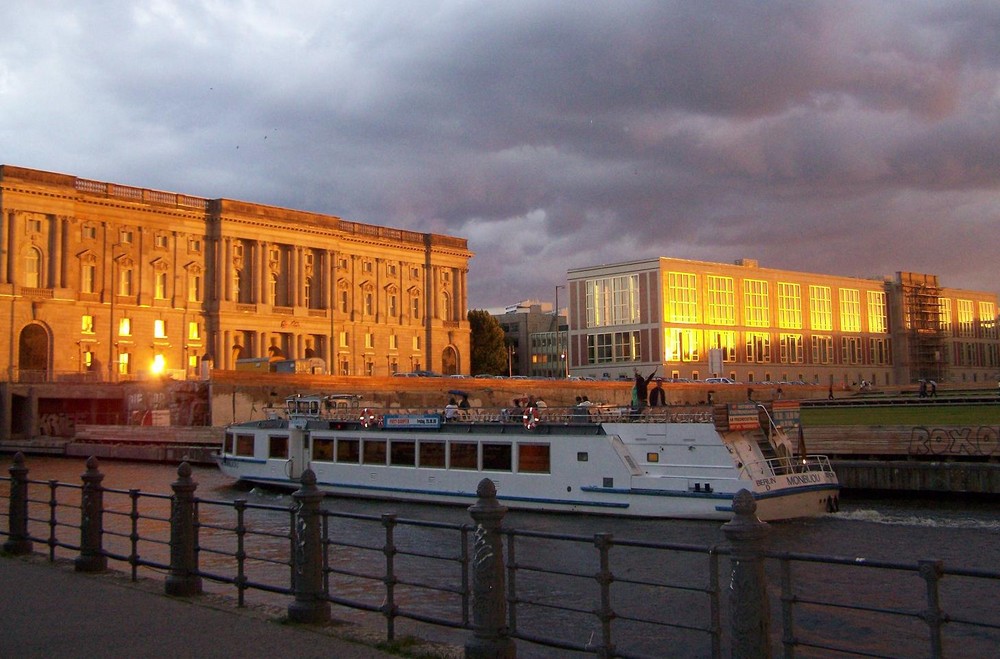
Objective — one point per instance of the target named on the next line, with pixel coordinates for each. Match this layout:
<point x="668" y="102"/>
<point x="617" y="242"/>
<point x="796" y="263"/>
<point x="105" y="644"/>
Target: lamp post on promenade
<point x="561" y="349"/>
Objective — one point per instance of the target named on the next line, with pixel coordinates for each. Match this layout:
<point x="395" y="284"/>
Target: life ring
<point x="368" y="418"/>
<point x="531" y="418"/>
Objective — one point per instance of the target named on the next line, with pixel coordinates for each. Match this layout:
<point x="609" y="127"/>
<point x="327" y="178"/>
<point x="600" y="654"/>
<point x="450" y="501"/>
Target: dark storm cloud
<point x="846" y="137"/>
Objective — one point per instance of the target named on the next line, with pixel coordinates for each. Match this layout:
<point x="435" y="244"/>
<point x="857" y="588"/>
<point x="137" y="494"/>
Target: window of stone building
<point x="393" y="311"/>
<point x="393" y="342"/>
<point x="125" y="281"/>
<point x="343" y="301"/>
<point x="34" y="225"/>
<point x="124" y="363"/>
<point x="194" y="245"/>
<point x="125" y="327"/>
<point x="88" y="359"/>
<point x="344" y="338"/>
<point x="160" y="241"/>
<point x="445" y="306"/>
<point x="160" y="289"/>
<point x="89" y="232"/>
<point x="88" y="277"/>
<point x="87" y="324"/>
<point x="160" y="328"/>
<point x="273" y="292"/>
<point x="367" y="267"/>
<point x="307" y="289"/>
<point x="33" y="268"/>
<point x="416" y="343"/>
<point x="415" y="310"/>
<point x="194" y="288"/>
<point x="345" y="366"/>
<point x="415" y="273"/>
<point x="369" y="304"/>
<point x="126" y="236"/>
<point x="391" y="269"/>
<point x="369" y="340"/>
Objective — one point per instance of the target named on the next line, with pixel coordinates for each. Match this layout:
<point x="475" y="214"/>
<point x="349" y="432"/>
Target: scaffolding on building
<point x="922" y="315"/>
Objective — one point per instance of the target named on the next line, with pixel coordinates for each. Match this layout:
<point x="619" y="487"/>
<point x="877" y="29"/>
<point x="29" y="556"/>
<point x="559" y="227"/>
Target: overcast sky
<point x="851" y="138"/>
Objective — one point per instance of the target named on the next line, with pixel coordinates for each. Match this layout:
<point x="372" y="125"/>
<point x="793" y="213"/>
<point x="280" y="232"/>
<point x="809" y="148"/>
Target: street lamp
<point x="564" y="351"/>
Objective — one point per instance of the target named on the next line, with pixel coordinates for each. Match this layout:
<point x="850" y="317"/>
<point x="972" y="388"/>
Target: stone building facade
<point x="696" y="319"/>
<point x="106" y="282"/>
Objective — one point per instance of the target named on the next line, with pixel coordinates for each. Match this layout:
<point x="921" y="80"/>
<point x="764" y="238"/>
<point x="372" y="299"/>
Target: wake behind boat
<point x="603" y="460"/>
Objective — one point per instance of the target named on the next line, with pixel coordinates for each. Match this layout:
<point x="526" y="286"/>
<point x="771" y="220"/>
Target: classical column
<point x="5" y="234"/>
<point x="11" y="247"/>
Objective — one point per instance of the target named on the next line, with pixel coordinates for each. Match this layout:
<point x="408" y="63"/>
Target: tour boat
<point x="657" y="462"/>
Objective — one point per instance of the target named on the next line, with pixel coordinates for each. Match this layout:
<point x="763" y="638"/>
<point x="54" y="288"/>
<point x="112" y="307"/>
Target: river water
<point x="962" y="532"/>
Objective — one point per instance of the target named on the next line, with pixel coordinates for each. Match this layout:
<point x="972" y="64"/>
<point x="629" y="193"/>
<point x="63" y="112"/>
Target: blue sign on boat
<point x="403" y="421"/>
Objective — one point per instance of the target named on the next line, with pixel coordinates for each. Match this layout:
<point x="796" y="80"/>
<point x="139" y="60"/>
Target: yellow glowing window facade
<point x="125" y="327"/>
<point x="789" y="305"/>
<point x="682" y="345"/>
<point x="723" y="340"/>
<point x="756" y="303"/>
<point x="988" y="320"/>
<point x="944" y="315"/>
<point x="820" y="308"/>
<point x="721" y="305"/>
<point x="682" y="297"/>
<point x="966" y="319"/>
<point x="822" y="349"/>
<point x="194" y="330"/>
<point x="87" y="324"/>
<point x="613" y="301"/>
<point x="850" y="310"/>
<point x="792" y="351"/>
<point x="877" y="322"/>
<point x="160" y="329"/>
<point x="758" y="346"/>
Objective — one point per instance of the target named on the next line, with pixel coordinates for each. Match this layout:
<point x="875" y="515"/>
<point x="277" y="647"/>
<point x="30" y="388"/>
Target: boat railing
<point x="533" y="416"/>
<point x="787" y="466"/>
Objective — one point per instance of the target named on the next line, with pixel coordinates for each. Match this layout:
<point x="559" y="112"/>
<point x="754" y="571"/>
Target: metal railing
<point x="490" y="585"/>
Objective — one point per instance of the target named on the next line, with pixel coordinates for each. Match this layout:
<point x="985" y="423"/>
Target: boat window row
<point x="487" y="456"/>
<point x="428" y="454"/>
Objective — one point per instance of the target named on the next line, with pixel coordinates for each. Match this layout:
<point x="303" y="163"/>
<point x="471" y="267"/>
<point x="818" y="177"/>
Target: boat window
<point x="582" y="456"/>
<point x="323" y="450"/>
<point x="227" y="446"/>
<point x="533" y="458"/>
<point x="349" y="450"/>
<point x="374" y="452"/>
<point x="497" y="457"/>
<point x="277" y="447"/>
<point x="244" y="445"/>
<point x="403" y="454"/>
<point x="463" y="455"/>
<point x="432" y="454"/>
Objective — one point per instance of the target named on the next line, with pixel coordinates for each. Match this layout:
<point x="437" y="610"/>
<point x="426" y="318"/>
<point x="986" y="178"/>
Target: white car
<point x="719" y="381"/>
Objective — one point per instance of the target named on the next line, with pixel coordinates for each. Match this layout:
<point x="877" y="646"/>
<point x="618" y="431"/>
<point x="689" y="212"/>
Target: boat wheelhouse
<point x="602" y="459"/>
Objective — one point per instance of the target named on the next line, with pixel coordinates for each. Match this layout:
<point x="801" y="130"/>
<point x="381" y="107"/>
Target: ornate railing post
<point x="489" y="605"/>
<point x="91" y="558"/>
<point x="310" y="605"/>
<point x="183" y="579"/>
<point x="18" y="541"/>
<point x="750" y="615"/>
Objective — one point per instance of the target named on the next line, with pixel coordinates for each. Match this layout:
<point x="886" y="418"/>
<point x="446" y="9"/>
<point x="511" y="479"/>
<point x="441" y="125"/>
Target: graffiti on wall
<point x="979" y="441"/>
<point x="56" y="425"/>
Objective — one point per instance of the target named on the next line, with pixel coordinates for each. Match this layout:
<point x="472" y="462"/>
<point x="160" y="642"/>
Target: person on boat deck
<point x="641" y="384"/>
<point x="450" y="410"/>
<point x="464" y="403"/>
<point x="657" y="397"/>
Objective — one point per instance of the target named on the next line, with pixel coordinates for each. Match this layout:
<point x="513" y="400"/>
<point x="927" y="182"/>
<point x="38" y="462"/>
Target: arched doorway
<point x="449" y="361"/>
<point x="33" y="353"/>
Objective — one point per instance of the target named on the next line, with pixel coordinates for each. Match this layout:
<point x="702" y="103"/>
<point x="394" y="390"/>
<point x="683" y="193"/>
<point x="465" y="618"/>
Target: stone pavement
<point x="49" y="610"/>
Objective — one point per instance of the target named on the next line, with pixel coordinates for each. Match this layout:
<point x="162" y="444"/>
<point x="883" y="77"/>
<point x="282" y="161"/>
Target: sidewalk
<point x="48" y="610"/>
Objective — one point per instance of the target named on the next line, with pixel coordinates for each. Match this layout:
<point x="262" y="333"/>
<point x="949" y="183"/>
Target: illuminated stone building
<point x="695" y="319"/>
<point x="109" y="282"/>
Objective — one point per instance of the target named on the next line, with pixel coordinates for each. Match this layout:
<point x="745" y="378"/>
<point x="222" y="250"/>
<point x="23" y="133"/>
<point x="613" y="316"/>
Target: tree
<point x="489" y="354"/>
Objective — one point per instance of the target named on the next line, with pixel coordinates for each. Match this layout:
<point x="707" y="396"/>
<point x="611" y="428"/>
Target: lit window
<point x="124" y="363"/>
<point x="944" y="315"/>
<point x="416" y="306"/>
<point x="160" y="292"/>
<point x="724" y="341"/>
<point x="988" y="319"/>
<point x="966" y="319"/>
<point x="392" y="305"/>
<point x="789" y="306"/>
<point x="125" y="236"/>
<point x="194" y="330"/>
<point x="160" y="329"/>
<point x="369" y="340"/>
<point x="33" y="268"/>
<point x="613" y="301"/>
<point x="822" y="349"/>
<point x="416" y="343"/>
<point x="682" y="345"/>
<point x="125" y="327"/>
<point x="820" y="308"/>
<point x="88" y="277"/>
<point x="756" y="303"/>
<point x="194" y="288"/>
<point x="682" y="297"/>
<point x="721" y="300"/>
<point x="343" y="340"/>
<point x="758" y="347"/>
<point x="125" y="281"/>
<point x="850" y="310"/>
<point x="877" y="322"/>
<point x="369" y="304"/>
<point x="792" y="349"/>
<point x="87" y="324"/>
<point x="393" y="342"/>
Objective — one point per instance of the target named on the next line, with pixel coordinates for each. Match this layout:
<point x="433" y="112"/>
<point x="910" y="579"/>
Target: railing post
<point x="748" y="602"/>
<point x="310" y="605"/>
<point x="491" y="637"/>
<point x="91" y="558"/>
<point x="389" y="608"/>
<point x="183" y="579"/>
<point x="606" y="614"/>
<point x="18" y="541"/>
<point x="931" y="572"/>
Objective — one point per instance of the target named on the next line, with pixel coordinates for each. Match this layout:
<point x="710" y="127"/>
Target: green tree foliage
<point x="489" y="355"/>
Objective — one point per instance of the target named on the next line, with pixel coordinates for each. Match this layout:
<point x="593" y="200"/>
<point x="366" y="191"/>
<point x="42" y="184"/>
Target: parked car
<point x="719" y="381"/>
